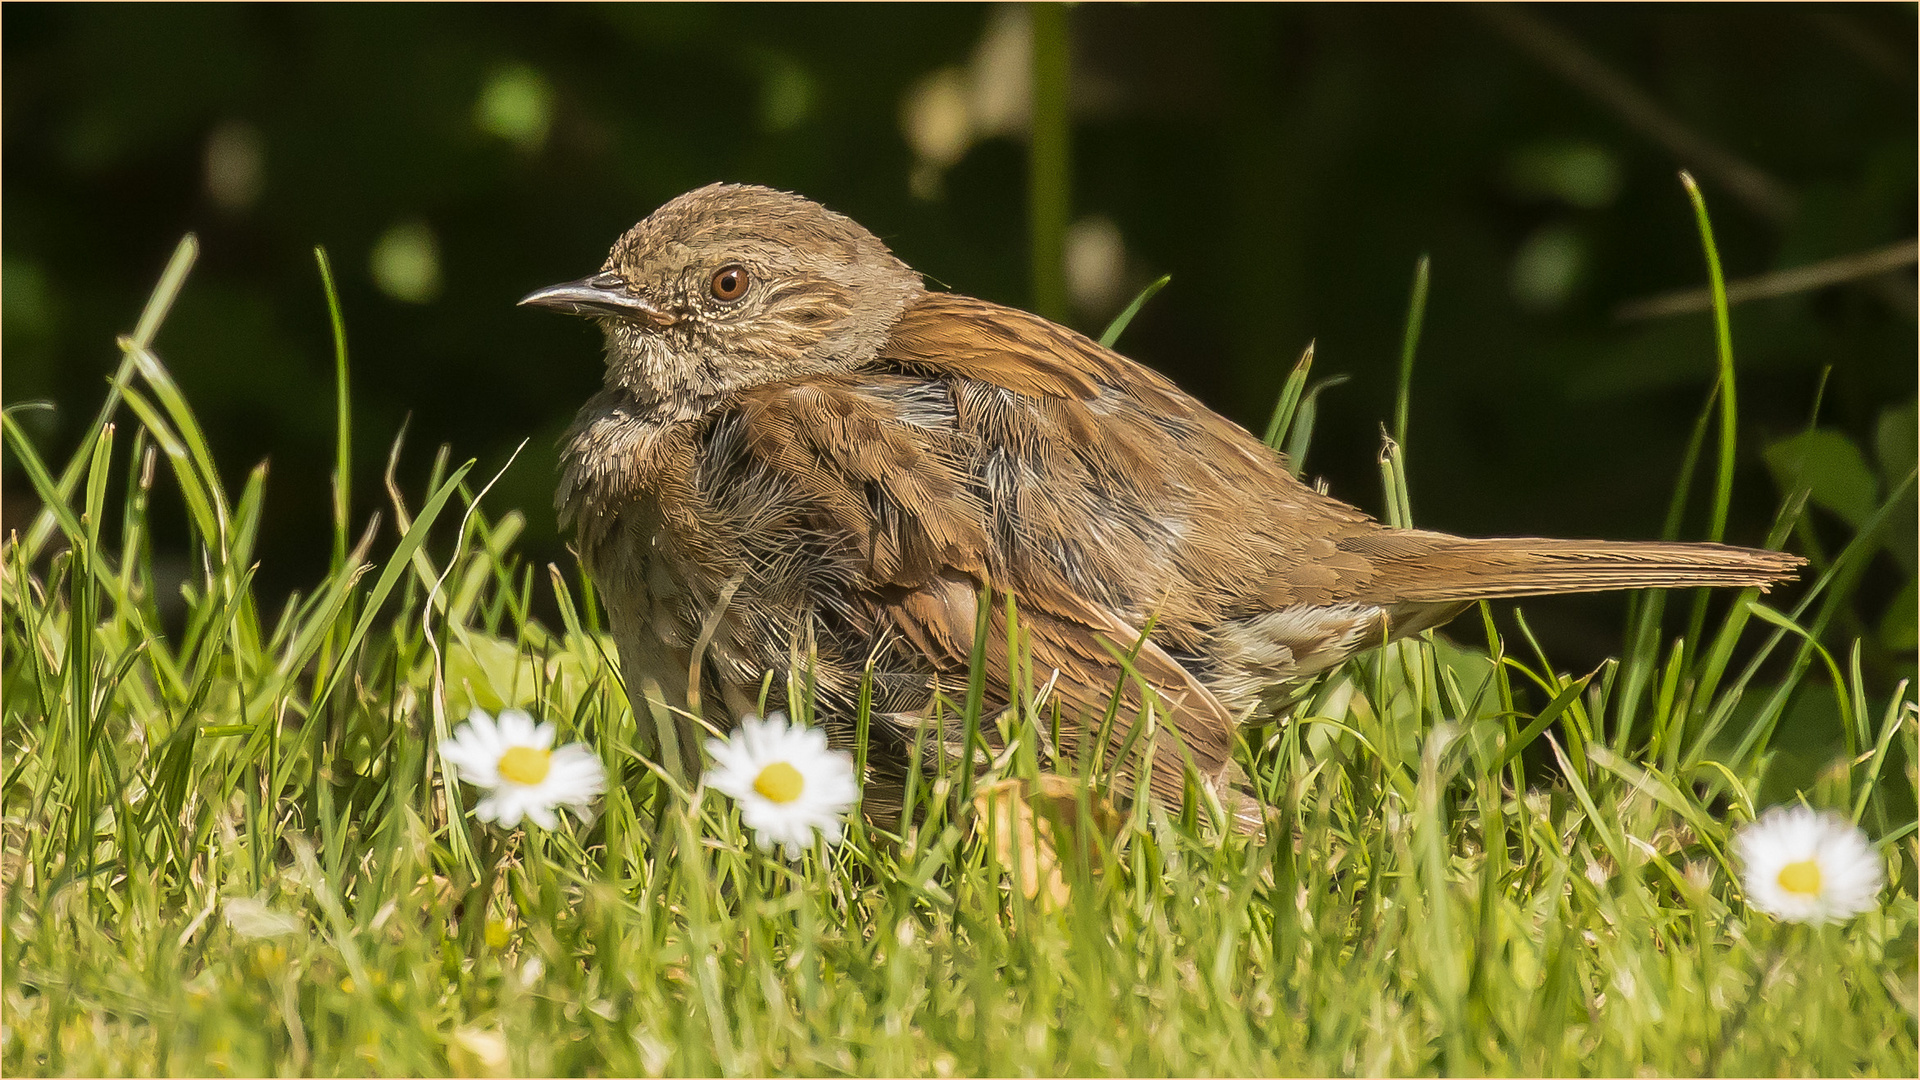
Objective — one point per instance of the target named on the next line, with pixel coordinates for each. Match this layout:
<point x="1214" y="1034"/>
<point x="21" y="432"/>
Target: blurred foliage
<point x="1285" y="165"/>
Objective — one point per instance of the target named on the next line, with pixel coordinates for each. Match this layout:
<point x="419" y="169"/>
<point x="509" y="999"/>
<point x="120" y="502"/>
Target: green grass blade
<point x="159" y="303"/>
<point x="1723" y="352"/>
<point x="1831" y="590"/>
<point x="1049" y="161"/>
<point x="1729" y="410"/>
<point x="1121" y="321"/>
<point x="1301" y="435"/>
<point x="201" y="503"/>
<point x="397" y="564"/>
<point x="186" y="428"/>
<point x="343" y="414"/>
<point x="1283" y="409"/>
<point x="1393" y="484"/>
<point x="1542" y="720"/>
<point x="1409" y="342"/>
<point x="53" y="501"/>
<point x="1645" y="609"/>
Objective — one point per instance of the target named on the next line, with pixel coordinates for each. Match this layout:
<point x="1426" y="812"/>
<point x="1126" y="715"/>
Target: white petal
<point x="576" y="752"/>
<point x="494" y="808"/>
<point x="1852" y="872"/>
<point x="473" y="767"/>
<point x="516" y="728"/>
<point x="482" y="739"/>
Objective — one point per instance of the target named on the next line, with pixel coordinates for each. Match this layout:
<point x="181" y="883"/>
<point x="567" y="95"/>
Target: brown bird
<point x="801" y="457"/>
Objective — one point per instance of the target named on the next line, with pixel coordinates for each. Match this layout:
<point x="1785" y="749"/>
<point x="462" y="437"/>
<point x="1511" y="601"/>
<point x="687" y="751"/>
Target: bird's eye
<point x="729" y="283"/>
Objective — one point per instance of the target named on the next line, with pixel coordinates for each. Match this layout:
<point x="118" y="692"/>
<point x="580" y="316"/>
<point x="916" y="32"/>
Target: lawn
<point x="231" y="847"/>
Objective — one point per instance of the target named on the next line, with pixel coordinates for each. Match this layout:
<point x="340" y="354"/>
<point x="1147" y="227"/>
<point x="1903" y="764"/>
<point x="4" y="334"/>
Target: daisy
<point x="515" y="761"/>
<point x="788" y="784"/>
<point x="1804" y="866"/>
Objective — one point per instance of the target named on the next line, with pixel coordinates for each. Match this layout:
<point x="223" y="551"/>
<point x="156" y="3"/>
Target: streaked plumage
<point x="836" y="465"/>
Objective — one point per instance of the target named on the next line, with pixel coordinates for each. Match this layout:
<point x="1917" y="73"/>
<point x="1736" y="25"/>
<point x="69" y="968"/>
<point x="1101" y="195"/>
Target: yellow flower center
<point x="1802" y="877"/>
<point x="779" y="782"/>
<point x="525" y="765"/>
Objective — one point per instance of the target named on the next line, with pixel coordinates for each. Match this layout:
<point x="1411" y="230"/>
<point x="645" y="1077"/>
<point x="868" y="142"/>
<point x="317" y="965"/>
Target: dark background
<point x="1286" y="165"/>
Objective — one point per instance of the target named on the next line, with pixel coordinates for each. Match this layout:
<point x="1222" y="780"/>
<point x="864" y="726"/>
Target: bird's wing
<point x="1264" y="576"/>
<point x="1107" y="481"/>
<point x="892" y="469"/>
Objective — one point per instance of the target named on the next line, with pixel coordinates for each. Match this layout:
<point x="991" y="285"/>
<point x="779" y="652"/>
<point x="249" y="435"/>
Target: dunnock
<point x="802" y="458"/>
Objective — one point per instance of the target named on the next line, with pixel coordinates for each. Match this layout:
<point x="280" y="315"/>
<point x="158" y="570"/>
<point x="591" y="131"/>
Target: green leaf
<point x="1898" y="625"/>
<point x="1831" y="467"/>
<point x="1895" y="439"/>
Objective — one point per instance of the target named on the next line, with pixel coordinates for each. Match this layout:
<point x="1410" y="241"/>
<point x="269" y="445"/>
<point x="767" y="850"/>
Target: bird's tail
<point x="1416" y="566"/>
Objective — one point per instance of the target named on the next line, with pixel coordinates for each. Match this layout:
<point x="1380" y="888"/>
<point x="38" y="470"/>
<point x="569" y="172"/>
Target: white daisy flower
<point x="788" y="784"/>
<point x="515" y="761"/>
<point x="1804" y="866"/>
<point x="252" y="918"/>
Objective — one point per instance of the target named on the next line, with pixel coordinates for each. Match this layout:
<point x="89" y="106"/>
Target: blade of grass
<point x="1729" y="410"/>
<point x="1302" y="429"/>
<point x="1122" y="320"/>
<point x="1542" y="720"/>
<point x="1393" y="484"/>
<point x="1049" y="161"/>
<point x="1290" y="392"/>
<point x="397" y="563"/>
<point x="343" y="414"/>
<point x="1831" y="590"/>
<point x="159" y="303"/>
<point x="1416" y="318"/>
<point x="187" y="429"/>
<point x="1646" y="608"/>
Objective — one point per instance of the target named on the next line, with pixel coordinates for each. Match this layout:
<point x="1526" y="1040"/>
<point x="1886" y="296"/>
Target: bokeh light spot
<point x="1096" y="257"/>
<point x="517" y="105"/>
<point x="1547" y="267"/>
<point x="406" y="263"/>
<point x="236" y="165"/>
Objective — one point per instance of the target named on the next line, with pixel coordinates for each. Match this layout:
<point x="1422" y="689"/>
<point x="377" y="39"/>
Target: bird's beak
<point x="602" y="294"/>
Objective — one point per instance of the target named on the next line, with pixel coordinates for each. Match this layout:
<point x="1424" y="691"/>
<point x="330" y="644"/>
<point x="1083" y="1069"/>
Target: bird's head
<point x="733" y="286"/>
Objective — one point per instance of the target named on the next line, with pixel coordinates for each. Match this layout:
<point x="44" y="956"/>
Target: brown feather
<point x="834" y="473"/>
<point x="1428" y="567"/>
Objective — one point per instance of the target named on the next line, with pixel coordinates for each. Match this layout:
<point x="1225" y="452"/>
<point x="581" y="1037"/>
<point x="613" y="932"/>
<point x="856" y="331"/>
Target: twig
<point x="1752" y="186"/>
<point x="1779" y="282"/>
<point x="1882" y="58"/>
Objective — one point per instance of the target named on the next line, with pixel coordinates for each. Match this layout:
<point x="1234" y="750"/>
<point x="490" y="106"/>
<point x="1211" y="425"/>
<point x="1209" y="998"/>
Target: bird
<point x="803" y="462"/>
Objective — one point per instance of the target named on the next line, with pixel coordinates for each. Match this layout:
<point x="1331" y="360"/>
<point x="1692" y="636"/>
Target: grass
<point x="230" y="849"/>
